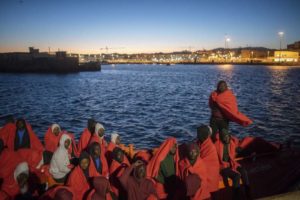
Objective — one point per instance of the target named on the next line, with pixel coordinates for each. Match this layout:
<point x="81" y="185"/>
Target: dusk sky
<point x="145" y="26"/>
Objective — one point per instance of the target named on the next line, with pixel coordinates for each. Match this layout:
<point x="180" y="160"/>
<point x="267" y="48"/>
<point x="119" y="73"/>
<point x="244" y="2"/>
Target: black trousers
<point x="235" y="176"/>
<point x="217" y="125"/>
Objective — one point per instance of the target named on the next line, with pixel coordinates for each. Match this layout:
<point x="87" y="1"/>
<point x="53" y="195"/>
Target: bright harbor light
<point x="280" y="33"/>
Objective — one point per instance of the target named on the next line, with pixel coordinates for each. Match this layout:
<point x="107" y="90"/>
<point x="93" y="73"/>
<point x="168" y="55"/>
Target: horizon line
<point x="137" y="52"/>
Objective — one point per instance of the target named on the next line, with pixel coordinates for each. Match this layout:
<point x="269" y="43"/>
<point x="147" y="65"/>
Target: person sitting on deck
<point x="138" y="187"/>
<point x="98" y="136"/>
<point x="98" y="159"/>
<point x="114" y="142"/>
<point x="102" y="190"/>
<point x="163" y="168"/>
<point x="80" y="178"/>
<point x="60" y="163"/>
<point x="223" y="105"/>
<point x="86" y="135"/>
<point x="116" y="170"/>
<point x="226" y="146"/>
<point x="24" y="141"/>
<point x="20" y="184"/>
<point x="51" y="138"/>
<point x="192" y="165"/>
<point x="21" y="136"/>
<point x="209" y="155"/>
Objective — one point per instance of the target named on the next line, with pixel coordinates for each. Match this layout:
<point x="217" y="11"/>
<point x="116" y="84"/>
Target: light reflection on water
<point x="147" y="103"/>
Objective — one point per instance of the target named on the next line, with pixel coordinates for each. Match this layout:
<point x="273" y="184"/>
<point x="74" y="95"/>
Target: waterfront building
<point x="286" y="56"/>
<point x="254" y="54"/>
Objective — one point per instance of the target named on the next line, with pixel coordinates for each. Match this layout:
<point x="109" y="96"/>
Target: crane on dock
<point x="106" y="48"/>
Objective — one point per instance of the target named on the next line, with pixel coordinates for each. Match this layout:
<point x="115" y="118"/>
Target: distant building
<point x="252" y="54"/>
<point x="295" y="46"/>
<point x="286" y="56"/>
<point x="34" y="61"/>
<point x="85" y="58"/>
<point x="32" y="50"/>
<point x="61" y="54"/>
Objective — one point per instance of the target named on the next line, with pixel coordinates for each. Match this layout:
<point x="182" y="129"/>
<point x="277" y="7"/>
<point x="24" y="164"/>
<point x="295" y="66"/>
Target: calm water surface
<point x="147" y="103"/>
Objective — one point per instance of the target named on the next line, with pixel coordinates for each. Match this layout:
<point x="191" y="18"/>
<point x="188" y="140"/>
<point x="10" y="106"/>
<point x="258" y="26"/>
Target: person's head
<point x="21" y="124"/>
<point x="222" y="86"/>
<point x="225" y="136"/>
<point x="55" y="128"/>
<point x="84" y="160"/>
<point x="140" y="170"/>
<point x="173" y="149"/>
<point x="203" y="132"/>
<point x="1" y="145"/>
<point x="143" y="155"/>
<point x="95" y="149"/>
<point x="115" y="138"/>
<point x="101" y="185"/>
<point x="22" y="179"/>
<point x="99" y="130"/>
<point x="63" y="194"/>
<point x="193" y="151"/>
<point x="65" y="141"/>
<point x="21" y="174"/>
<point x="118" y="154"/>
<point x="91" y="125"/>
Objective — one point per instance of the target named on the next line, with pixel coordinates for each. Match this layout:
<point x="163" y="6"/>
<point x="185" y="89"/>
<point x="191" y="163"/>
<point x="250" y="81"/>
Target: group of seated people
<point x="97" y="170"/>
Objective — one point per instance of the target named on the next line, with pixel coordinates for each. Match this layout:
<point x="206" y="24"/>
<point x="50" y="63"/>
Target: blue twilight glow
<point x="145" y="26"/>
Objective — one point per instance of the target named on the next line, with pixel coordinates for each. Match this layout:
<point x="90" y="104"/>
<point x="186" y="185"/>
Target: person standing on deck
<point x="224" y="108"/>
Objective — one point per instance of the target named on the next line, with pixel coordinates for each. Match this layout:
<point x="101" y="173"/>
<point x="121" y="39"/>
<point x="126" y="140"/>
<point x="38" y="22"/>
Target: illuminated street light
<point x="281" y="33"/>
<point x="227" y="40"/>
